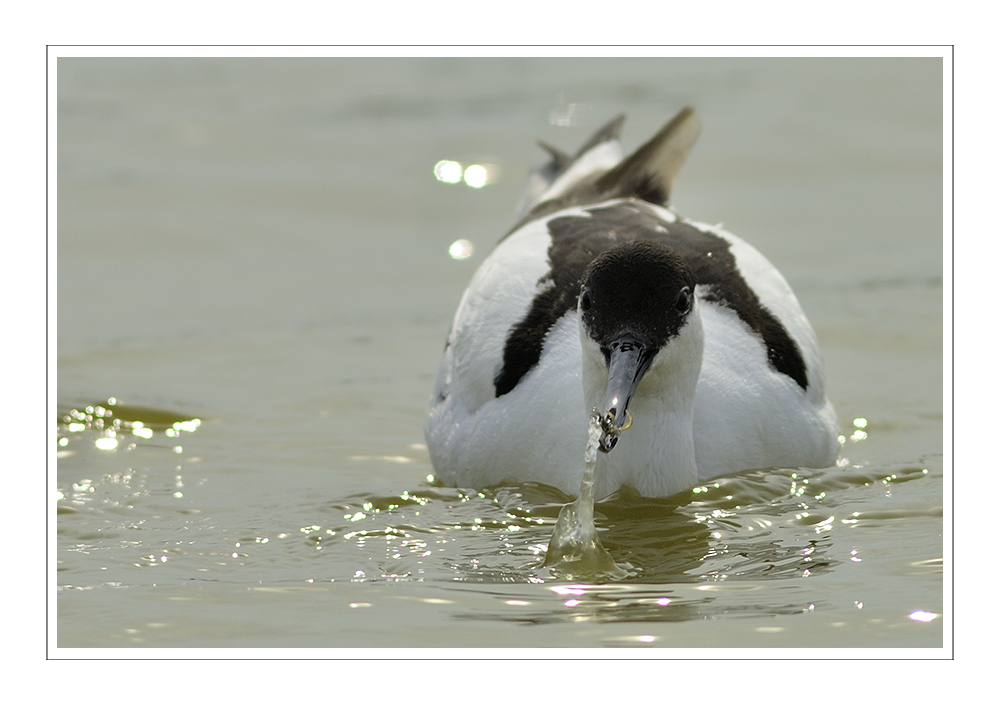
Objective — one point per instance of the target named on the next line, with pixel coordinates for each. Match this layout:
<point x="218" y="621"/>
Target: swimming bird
<point x="687" y="344"/>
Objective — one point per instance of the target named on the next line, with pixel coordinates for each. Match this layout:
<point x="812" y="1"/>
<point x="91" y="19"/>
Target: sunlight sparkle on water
<point x="107" y="421"/>
<point x="448" y="171"/>
<point x="921" y="616"/>
<point x="190" y="426"/>
<point x="460" y="249"/>
<point x="475" y="176"/>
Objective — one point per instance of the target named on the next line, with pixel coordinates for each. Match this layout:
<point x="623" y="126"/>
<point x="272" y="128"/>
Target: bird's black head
<point x="634" y="299"/>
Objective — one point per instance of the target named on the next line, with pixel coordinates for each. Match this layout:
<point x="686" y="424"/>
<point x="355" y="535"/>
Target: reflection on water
<point x="751" y="544"/>
<point x="753" y="526"/>
<point x="637" y="603"/>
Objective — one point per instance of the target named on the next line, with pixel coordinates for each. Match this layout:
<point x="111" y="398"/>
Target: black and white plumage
<point x="601" y="297"/>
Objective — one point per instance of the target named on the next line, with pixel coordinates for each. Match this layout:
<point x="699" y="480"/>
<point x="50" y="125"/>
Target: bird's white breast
<point x="494" y="419"/>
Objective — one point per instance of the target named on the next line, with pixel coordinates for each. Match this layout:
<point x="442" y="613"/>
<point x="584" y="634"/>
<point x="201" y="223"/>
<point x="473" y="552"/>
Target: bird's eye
<point x="683" y="303"/>
<point x="585" y="302"/>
